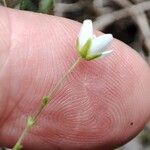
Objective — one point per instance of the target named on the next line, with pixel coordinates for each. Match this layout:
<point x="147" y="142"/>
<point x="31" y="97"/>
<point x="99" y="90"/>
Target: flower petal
<point x="106" y="53"/>
<point x="86" y="32"/>
<point x="100" y="43"/>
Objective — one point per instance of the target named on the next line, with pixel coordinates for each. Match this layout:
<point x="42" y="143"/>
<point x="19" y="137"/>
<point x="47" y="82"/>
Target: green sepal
<point x="30" y="122"/>
<point x="91" y="57"/>
<point x="84" y="50"/>
<point x="45" y="100"/>
<point x="18" y="147"/>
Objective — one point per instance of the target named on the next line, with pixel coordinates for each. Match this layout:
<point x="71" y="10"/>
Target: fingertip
<point x="120" y="83"/>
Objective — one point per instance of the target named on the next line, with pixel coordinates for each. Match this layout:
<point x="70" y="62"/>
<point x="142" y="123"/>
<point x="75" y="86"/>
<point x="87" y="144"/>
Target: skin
<point x="102" y="104"/>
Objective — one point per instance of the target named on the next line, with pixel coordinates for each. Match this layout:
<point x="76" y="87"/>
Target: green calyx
<point x="91" y="57"/>
<point x="18" y="147"/>
<point x="83" y="51"/>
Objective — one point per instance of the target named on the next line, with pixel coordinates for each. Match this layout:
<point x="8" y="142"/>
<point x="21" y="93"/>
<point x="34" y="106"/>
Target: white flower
<point x="90" y="46"/>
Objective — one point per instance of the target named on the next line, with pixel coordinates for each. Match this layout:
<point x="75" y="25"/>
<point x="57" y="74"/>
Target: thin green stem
<point x="18" y="145"/>
<point x="4" y="3"/>
<point x="49" y="96"/>
<point x="59" y="83"/>
<point x="64" y="77"/>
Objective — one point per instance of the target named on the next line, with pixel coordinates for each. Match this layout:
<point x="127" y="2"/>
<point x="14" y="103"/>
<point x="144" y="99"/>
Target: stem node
<point x="45" y="100"/>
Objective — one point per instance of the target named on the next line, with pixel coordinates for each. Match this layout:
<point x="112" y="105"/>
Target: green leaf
<point x="85" y="48"/>
<point x="45" y="6"/>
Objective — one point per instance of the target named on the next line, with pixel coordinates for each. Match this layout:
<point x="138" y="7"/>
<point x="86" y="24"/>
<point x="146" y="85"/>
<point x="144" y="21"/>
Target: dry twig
<point x="142" y="22"/>
<point x="137" y="12"/>
<point x="4" y="3"/>
<point x="132" y="11"/>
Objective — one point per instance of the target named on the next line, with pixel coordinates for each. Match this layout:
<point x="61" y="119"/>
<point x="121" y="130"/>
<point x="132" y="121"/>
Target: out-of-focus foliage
<point x="28" y="5"/>
<point x="41" y="6"/>
<point x="145" y="136"/>
<point x="45" y="6"/>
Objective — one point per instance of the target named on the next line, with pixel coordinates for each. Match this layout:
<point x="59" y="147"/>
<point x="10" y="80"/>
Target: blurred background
<point x="127" y="20"/>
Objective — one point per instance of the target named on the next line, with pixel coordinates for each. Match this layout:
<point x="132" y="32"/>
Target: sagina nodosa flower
<point x="90" y="46"/>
